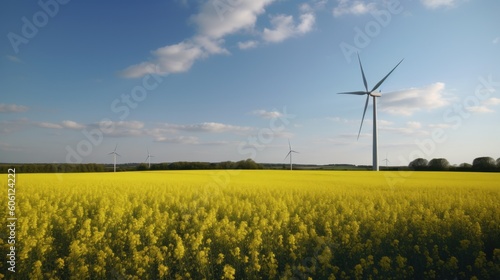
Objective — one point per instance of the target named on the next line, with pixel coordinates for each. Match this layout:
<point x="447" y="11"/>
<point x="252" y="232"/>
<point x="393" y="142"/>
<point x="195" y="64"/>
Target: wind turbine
<point x="114" y="153"/>
<point x="373" y="94"/>
<point x="290" y="152"/>
<point x="148" y="159"/>
<point x="386" y="160"/>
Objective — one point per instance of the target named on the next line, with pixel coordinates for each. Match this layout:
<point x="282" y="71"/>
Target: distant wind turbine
<point x="386" y="160"/>
<point x="114" y="153"/>
<point x="373" y="94"/>
<point x="148" y="159"/>
<point x="290" y="152"/>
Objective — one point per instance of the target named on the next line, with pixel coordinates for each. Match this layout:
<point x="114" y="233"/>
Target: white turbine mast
<point x="386" y="160"/>
<point x="373" y="94"/>
<point x="114" y="153"/>
<point x="148" y="159"/>
<point x="290" y="152"/>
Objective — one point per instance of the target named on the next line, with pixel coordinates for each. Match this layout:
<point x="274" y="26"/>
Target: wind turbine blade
<point x="118" y="154"/>
<point x="146" y="159"/>
<point x="381" y="81"/>
<point x="116" y="147"/>
<point x="289" y="145"/>
<point x="354" y="92"/>
<point x="288" y="154"/>
<point x="363" y="73"/>
<point x="364" y="112"/>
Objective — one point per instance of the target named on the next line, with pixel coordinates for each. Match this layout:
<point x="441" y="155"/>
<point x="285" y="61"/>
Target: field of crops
<point x="255" y="225"/>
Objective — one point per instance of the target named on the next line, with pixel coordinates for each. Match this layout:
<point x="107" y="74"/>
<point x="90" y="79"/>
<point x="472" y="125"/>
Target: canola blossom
<point x="258" y="224"/>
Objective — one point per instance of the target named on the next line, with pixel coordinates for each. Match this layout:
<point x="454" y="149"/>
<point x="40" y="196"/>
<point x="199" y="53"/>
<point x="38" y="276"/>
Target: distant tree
<point x="484" y="164"/>
<point x="439" y="164"/>
<point x="226" y="165"/>
<point x="142" y="167"/>
<point x="464" y="166"/>
<point x="247" y="164"/>
<point x="418" y="164"/>
<point x="498" y="162"/>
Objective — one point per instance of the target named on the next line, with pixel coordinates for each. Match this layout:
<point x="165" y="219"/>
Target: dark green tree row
<point x="53" y="167"/>
<point x="441" y="164"/>
<point x="185" y="165"/>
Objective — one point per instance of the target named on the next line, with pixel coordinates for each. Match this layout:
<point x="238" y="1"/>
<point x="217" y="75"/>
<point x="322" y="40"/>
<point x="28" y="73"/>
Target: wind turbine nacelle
<point x="375" y="94"/>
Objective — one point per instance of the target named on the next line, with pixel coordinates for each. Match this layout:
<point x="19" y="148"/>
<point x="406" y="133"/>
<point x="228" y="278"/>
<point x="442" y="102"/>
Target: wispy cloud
<point x="496" y="40"/>
<point x="12" y="108"/>
<point x="493" y="101"/>
<point x="485" y="106"/>
<point x="49" y="125"/>
<point x="435" y="4"/>
<point x="407" y="102"/>
<point x="120" y="128"/>
<point x="213" y="24"/>
<point x="356" y="7"/>
<point x="64" y="124"/>
<point x="479" y="109"/>
<point x="267" y="114"/>
<point x="248" y="44"/>
<point x="284" y="27"/>
<point x="179" y="140"/>
<point x="209" y="127"/>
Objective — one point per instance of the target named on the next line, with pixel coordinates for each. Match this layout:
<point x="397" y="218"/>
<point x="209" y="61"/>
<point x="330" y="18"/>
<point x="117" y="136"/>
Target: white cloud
<point x="479" y="109"/>
<point x="179" y="140"/>
<point x="346" y="7"/>
<point x="170" y="59"/>
<point x="210" y="127"/>
<point x="72" y="125"/>
<point x="121" y="128"/>
<point x="407" y="102"/>
<point x="485" y="106"/>
<point x="435" y="4"/>
<point x="213" y="23"/>
<point x="267" y="114"/>
<point x="12" y="108"/>
<point x="216" y="22"/>
<point x="50" y="125"/>
<point x="414" y="125"/>
<point x="284" y="27"/>
<point x="342" y="120"/>
<point x="248" y="45"/>
<point x="492" y="101"/>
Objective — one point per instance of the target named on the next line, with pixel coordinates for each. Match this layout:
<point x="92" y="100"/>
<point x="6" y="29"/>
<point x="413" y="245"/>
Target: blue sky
<point x="230" y="80"/>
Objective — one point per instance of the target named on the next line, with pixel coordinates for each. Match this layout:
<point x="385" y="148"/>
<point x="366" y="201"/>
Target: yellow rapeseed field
<point x="224" y="224"/>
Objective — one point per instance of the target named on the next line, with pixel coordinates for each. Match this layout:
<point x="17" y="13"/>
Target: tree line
<point x="441" y="164"/>
<point x="188" y="165"/>
<point x="94" y="167"/>
<point x="53" y="167"/>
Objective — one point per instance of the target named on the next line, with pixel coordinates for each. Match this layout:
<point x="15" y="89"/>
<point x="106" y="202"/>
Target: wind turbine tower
<point x="290" y="152"/>
<point x="148" y="159"/>
<point x="114" y="153"/>
<point x="386" y="160"/>
<point x="374" y="95"/>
